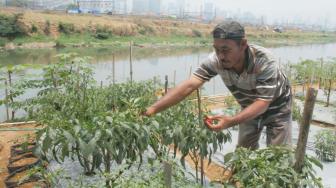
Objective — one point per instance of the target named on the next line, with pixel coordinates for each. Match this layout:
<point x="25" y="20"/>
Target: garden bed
<point x="10" y="138"/>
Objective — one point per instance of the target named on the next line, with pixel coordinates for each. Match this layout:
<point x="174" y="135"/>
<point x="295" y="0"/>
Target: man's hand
<point x="149" y="111"/>
<point x="224" y="122"/>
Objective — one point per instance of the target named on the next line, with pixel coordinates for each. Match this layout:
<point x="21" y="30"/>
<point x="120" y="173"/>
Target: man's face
<point x="229" y="53"/>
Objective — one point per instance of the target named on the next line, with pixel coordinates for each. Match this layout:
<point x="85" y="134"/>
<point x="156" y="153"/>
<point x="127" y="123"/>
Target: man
<point x="254" y="78"/>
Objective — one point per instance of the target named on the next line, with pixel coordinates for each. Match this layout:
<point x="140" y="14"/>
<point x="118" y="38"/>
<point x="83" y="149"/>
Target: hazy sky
<point x="306" y="10"/>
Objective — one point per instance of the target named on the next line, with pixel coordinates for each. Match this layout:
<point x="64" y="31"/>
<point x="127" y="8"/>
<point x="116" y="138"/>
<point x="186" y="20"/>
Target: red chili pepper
<point x="208" y="121"/>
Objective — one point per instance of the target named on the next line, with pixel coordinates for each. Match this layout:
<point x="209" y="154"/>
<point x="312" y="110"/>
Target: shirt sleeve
<point x="266" y="81"/>
<point x="207" y="69"/>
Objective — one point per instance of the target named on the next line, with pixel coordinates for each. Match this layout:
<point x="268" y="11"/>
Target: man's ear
<point x="244" y="42"/>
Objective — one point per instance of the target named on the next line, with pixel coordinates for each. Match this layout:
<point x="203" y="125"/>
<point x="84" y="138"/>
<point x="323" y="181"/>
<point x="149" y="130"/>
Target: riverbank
<point x="45" y="29"/>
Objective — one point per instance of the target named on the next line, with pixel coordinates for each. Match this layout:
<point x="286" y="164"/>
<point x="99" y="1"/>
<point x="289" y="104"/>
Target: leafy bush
<point x="66" y="28"/>
<point x="103" y="32"/>
<point x="34" y="28"/>
<point x="271" y="167"/>
<point x="46" y="29"/>
<point x="10" y="26"/>
<point x="325" y="145"/>
<point x="3" y="41"/>
<point x="296" y="112"/>
<point x="196" y="33"/>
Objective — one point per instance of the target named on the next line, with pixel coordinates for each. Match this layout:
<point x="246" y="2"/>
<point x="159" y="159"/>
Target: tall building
<point x="49" y="4"/>
<point x="140" y="6"/>
<point x="154" y="7"/>
<point x="209" y="11"/>
<point x="96" y="6"/>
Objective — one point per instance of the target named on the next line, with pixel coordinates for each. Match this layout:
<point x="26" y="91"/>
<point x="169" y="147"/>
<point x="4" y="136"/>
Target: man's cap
<point x="229" y="30"/>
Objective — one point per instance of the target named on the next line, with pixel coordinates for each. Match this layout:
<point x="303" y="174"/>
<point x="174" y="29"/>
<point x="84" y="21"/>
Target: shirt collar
<point x="249" y="59"/>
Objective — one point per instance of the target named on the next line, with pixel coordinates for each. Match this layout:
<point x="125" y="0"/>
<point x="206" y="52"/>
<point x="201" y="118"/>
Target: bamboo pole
<point x="190" y="71"/>
<point x="320" y="80"/>
<point x="113" y="69"/>
<point x="174" y="78"/>
<point x="167" y="174"/>
<point x="304" y="128"/>
<point x="166" y="84"/>
<point x="200" y="121"/>
<point x="10" y="92"/>
<point x="6" y="98"/>
<point x="131" y="66"/>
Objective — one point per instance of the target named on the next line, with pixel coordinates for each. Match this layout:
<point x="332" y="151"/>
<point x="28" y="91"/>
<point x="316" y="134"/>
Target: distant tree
<point x="10" y="26"/>
<point x="17" y="3"/>
<point x="72" y="6"/>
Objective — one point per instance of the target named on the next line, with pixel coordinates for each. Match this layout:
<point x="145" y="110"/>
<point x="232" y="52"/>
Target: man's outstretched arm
<point x="175" y="95"/>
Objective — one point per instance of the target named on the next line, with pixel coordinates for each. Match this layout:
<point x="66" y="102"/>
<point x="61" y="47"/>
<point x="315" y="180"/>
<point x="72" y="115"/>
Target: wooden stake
<point x="174" y="78"/>
<point x="6" y="97"/>
<point x="10" y="92"/>
<point x="200" y="121"/>
<point x="166" y="84"/>
<point x="304" y="128"/>
<point x="320" y="80"/>
<point x="167" y="174"/>
<point x="190" y="71"/>
<point x="113" y="69"/>
<point x="131" y="66"/>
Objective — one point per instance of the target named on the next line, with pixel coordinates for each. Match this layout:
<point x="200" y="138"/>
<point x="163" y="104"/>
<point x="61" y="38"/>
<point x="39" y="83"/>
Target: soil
<point x="24" y="161"/>
<point x="17" y="177"/>
<point x="213" y="171"/>
<point x="32" y="184"/>
<point x="9" y="138"/>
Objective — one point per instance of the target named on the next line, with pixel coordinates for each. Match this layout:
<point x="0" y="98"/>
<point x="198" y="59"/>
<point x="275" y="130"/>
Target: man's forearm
<point x="174" y="96"/>
<point x="255" y="109"/>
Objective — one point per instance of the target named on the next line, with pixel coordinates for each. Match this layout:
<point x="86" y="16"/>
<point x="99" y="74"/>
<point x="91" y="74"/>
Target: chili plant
<point x="328" y="78"/>
<point x="179" y="125"/>
<point x="325" y="145"/>
<point x="271" y="167"/>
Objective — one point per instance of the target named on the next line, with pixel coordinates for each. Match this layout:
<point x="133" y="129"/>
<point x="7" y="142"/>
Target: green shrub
<point x="46" y="29"/>
<point x="196" y="33"/>
<point x="66" y="28"/>
<point x="3" y="42"/>
<point x="10" y="26"/>
<point x="325" y="145"/>
<point x="103" y="33"/>
<point x="271" y="167"/>
<point x="34" y="28"/>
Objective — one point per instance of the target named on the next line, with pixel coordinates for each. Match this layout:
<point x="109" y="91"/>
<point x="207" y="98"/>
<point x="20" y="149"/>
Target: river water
<point x="177" y="63"/>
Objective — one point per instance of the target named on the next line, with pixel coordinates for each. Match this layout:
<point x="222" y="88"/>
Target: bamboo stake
<point x="174" y="78"/>
<point x="198" y="58"/>
<point x="131" y="66"/>
<point x="190" y="71"/>
<point x="168" y="174"/>
<point x="214" y="87"/>
<point x="304" y="128"/>
<point x="166" y="84"/>
<point x="200" y="121"/>
<point x="10" y="92"/>
<point x="113" y="69"/>
<point x="320" y="80"/>
<point x="6" y="98"/>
